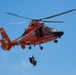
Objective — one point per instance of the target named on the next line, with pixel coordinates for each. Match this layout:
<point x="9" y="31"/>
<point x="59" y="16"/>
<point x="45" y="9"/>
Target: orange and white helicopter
<point x="36" y="33"/>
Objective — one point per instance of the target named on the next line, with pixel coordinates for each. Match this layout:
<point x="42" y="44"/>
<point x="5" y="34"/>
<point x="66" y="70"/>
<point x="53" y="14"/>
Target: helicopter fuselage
<point x="36" y="33"/>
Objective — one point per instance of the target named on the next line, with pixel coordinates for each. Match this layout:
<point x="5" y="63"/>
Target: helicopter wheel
<point x="29" y="47"/>
<point x="40" y="47"/>
<point x="55" y="41"/>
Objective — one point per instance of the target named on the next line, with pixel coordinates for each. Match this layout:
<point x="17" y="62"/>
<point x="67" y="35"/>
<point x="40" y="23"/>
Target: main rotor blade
<point x="17" y="15"/>
<point x="53" y="21"/>
<point x="59" y="14"/>
<point x="17" y="23"/>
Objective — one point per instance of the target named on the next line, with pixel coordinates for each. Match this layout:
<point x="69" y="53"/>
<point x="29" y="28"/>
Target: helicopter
<point x="37" y="33"/>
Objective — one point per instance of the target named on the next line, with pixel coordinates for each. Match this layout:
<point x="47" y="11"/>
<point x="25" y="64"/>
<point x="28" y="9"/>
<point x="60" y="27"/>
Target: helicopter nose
<point x="59" y="33"/>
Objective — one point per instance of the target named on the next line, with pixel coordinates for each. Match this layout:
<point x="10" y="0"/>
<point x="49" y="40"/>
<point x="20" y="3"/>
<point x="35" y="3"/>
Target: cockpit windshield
<point x="50" y="29"/>
<point x="41" y="24"/>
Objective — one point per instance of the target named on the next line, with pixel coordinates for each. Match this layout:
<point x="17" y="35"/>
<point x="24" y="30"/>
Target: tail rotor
<point x="5" y="41"/>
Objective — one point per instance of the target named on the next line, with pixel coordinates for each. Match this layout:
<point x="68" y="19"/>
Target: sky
<point x="54" y="59"/>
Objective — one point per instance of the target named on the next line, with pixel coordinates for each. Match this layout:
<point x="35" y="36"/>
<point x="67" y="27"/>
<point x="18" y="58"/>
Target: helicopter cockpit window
<point x="41" y="24"/>
<point x="48" y="30"/>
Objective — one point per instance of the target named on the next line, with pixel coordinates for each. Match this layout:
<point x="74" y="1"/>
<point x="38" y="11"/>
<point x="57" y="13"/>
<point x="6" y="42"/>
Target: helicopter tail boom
<point x="5" y="41"/>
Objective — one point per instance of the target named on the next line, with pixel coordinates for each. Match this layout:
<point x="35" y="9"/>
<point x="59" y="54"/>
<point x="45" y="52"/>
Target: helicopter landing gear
<point x="55" y="41"/>
<point x="29" y="47"/>
<point x="40" y="46"/>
